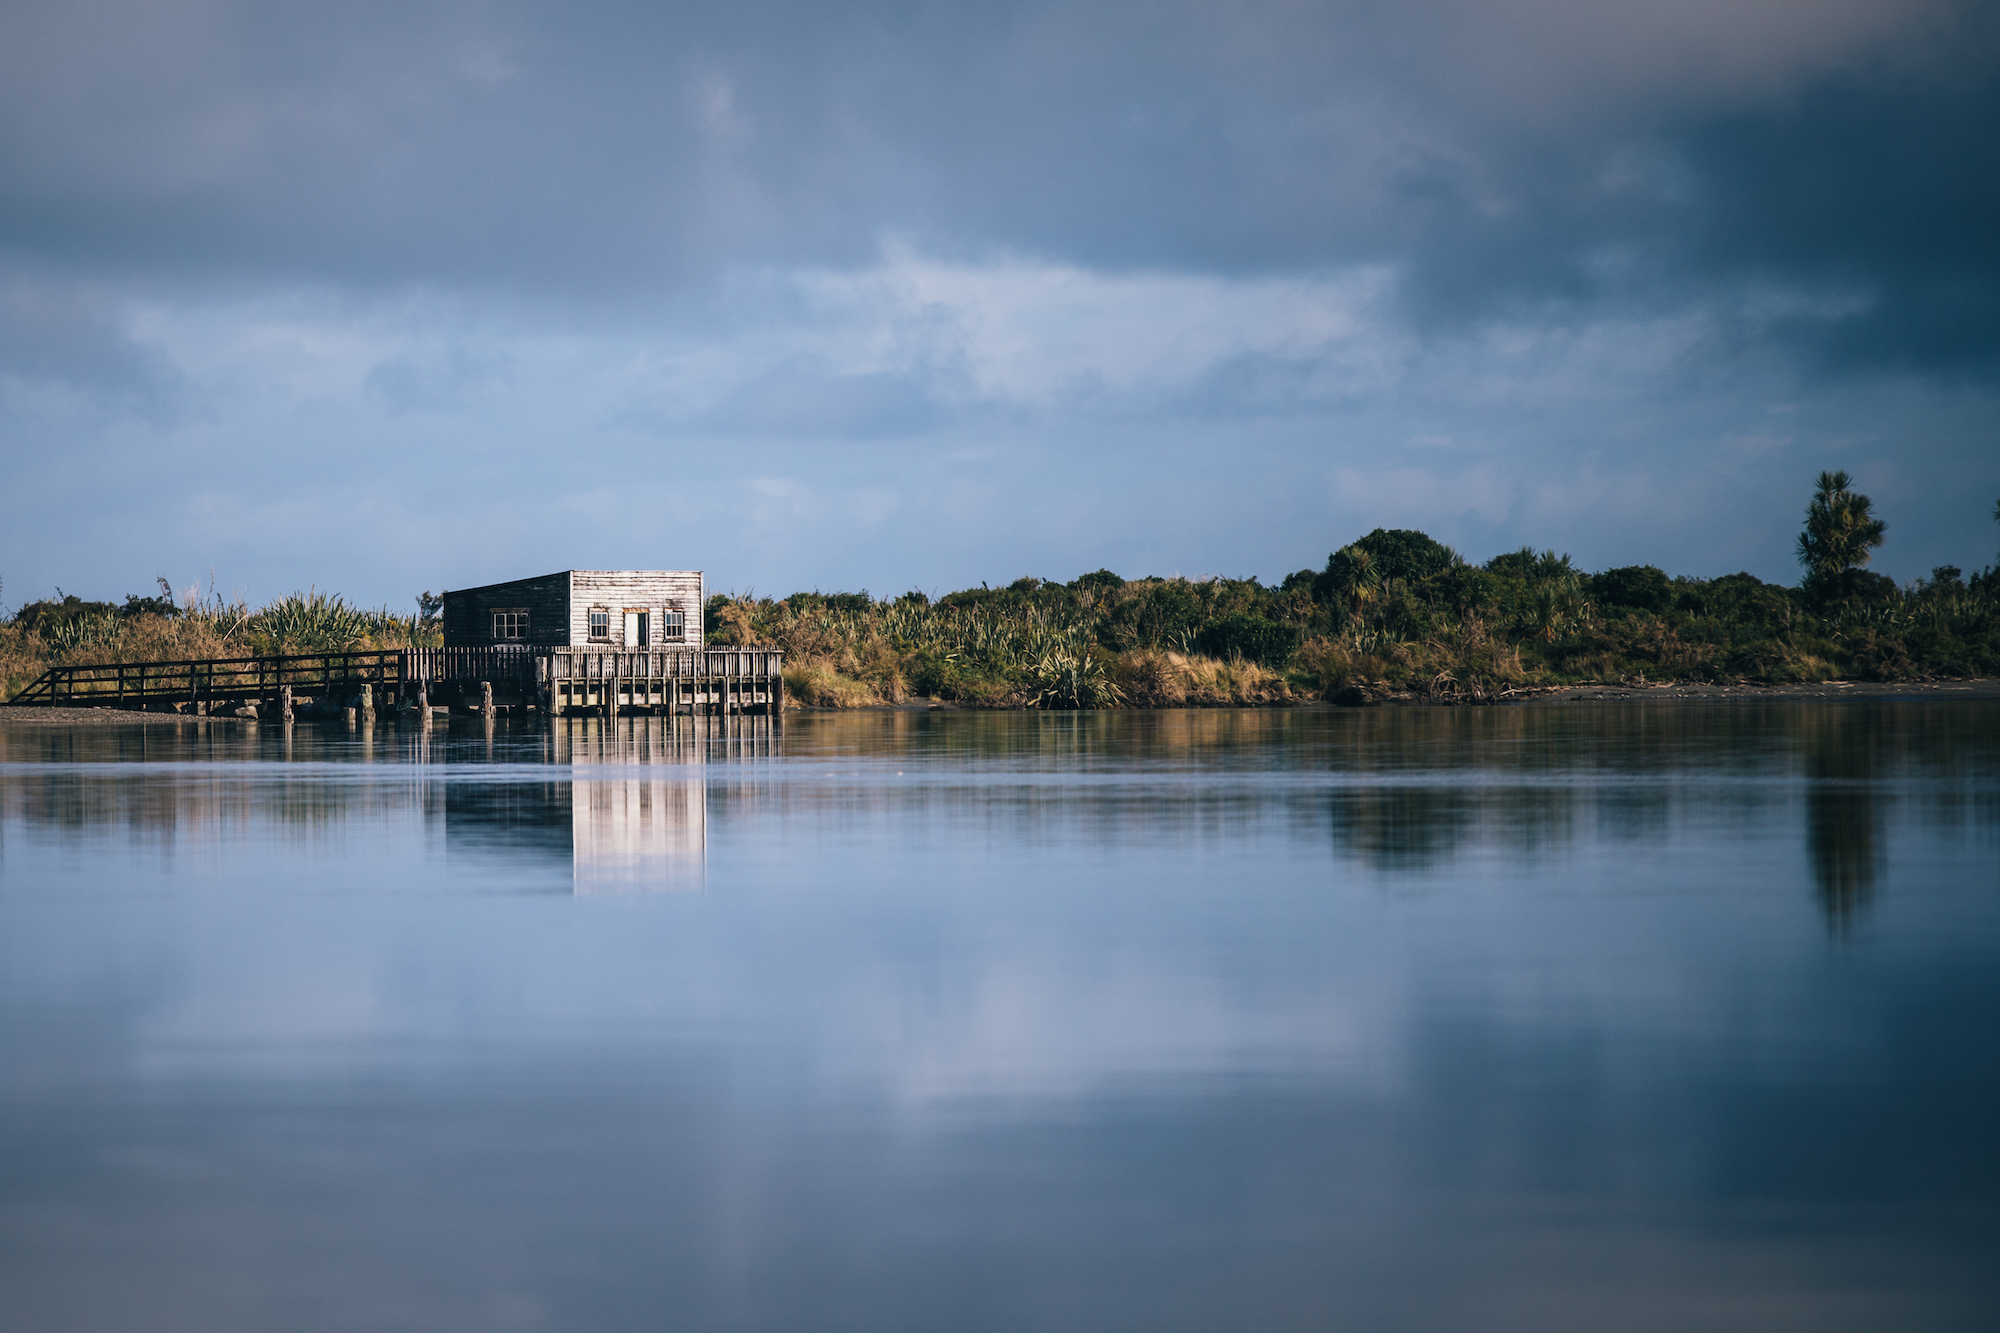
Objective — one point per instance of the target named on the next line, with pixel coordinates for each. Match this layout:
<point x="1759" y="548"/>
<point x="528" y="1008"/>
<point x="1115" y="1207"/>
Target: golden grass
<point x="817" y="683"/>
<point x="1155" y="678"/>
<point x="23" y="657"/>
<point x="196" y="636"/>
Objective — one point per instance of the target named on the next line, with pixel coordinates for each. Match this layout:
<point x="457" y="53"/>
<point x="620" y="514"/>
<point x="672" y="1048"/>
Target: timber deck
<point x="551" y="681"/>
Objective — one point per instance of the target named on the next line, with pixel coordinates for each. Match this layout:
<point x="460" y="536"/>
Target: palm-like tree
<point x="1841" y="533"/>
<point x="1354" y="577"/>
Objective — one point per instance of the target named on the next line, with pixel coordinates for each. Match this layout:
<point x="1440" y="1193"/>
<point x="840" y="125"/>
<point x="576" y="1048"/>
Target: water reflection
<point x="602" y="834"/>
<point x="1481" y="1019"/>
<point x="1842" y="752"/>
<point x="586" y="806"/>
<point x="595" y="806"/>
<point x="621" y="805"/>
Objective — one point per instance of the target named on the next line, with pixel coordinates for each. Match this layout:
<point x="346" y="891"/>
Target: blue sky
<point x="394" y="297"/>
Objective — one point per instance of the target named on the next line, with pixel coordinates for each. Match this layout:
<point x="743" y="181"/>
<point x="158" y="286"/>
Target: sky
<point x="378" y="298"/>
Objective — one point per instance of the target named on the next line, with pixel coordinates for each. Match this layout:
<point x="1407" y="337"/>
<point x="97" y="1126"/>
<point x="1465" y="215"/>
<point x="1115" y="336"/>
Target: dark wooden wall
<point x="468" y="613"/>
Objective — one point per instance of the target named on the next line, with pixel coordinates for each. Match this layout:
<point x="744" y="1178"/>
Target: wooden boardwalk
<point x="551" y="681"/>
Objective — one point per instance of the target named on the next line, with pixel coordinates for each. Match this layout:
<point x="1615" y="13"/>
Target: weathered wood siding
<point x="559" y="605"/>
<point x="654" y="591"/>
<point x="468" y="613"/>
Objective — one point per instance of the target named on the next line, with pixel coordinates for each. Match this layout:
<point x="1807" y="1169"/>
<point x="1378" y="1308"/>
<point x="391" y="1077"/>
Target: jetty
<point x="553" y="681"/>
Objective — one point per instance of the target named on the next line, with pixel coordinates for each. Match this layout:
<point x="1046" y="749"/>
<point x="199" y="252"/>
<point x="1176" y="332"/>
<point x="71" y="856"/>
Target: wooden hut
<point x="597" y="641"/>
<point x="579" y="608"/>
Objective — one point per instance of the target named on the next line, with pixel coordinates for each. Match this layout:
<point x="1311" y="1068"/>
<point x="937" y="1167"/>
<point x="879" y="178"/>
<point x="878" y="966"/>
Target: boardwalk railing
<point x="554" y="680"/>
<point x="236" y="679"/>
<point x="726" y="680"/>
<point x="511" y="670"/>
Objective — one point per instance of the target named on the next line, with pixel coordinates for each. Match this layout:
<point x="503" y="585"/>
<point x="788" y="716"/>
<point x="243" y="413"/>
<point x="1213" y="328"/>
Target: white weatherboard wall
<point x="652" y="591"/>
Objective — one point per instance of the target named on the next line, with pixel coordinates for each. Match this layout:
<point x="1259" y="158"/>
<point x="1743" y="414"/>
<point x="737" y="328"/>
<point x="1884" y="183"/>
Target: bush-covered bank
<point x="166" y="628"/>
<point x="1392" y="614"/>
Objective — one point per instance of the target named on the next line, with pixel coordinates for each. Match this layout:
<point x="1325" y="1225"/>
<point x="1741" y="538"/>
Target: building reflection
<point x="624" y="802"/>
<point x="638" y="835"/>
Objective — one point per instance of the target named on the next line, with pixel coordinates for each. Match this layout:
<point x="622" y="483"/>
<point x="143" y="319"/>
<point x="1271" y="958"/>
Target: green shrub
<point x="1632" y="588"/>
<point x="1250" y="637"/>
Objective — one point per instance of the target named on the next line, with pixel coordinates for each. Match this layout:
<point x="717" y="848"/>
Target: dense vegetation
<point x="166" y="628"/>
<point x="1393" y="613"/>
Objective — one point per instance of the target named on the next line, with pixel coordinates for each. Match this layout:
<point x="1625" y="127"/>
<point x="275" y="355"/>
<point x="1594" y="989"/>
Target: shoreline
<point x="1878" y="691"/>
<point x="42" y="716"/>
<point x="1975" y="689"/>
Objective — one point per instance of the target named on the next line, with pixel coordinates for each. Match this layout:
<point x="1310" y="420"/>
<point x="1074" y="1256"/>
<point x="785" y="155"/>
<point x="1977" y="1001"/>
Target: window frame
<point x="591" y="620"/>
<point x="673" y="625"/>
<point x="493" y="624"/>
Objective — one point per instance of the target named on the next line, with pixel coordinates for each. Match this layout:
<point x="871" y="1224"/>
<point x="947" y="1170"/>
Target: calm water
<point x="1614" y="1017"/>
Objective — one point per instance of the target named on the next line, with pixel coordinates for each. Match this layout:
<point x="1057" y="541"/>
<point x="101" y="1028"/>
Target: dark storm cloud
<point x="1891" y="194"/>
<point x="1502" y="155"/>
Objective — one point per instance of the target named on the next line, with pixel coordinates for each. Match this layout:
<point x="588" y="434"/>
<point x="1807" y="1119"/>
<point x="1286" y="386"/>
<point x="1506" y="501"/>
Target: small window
<point x="600" y="622"/>
<point x="510" y="626"/>
<point x="672" y="628"/>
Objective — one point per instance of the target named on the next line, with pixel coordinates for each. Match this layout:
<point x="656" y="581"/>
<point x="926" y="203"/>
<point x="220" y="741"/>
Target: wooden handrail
<point x="263" y="675"/>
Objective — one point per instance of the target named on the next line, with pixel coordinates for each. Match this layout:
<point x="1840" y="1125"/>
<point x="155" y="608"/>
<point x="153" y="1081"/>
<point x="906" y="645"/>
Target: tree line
<point x="1391" y="614"/>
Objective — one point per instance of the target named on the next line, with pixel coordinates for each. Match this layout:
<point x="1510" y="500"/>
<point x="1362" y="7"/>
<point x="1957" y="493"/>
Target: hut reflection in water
<point x="629" y="811"/>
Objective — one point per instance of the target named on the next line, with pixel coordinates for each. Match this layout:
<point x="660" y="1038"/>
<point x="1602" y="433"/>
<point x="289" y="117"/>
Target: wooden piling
<point x="486" y="699"/>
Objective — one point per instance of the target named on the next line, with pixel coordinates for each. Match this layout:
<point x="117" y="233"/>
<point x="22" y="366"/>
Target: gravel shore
<point x="71" y="717"/>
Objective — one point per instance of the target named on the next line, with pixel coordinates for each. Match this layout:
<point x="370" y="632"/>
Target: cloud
<point x="77" y="339"/>
<point x="981" y="289"/>
<point x="1531" y="151"/>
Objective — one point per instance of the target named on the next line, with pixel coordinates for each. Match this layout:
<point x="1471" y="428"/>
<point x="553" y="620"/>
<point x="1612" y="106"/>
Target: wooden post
<point x="367" y="703"/>
<point x="285" y="703"/>
<point x="609" y="687"/>
<point x="486" y="699"/>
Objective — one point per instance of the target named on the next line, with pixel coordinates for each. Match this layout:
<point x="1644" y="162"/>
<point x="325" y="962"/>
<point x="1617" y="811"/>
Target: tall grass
<point x="193" y="627"/>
